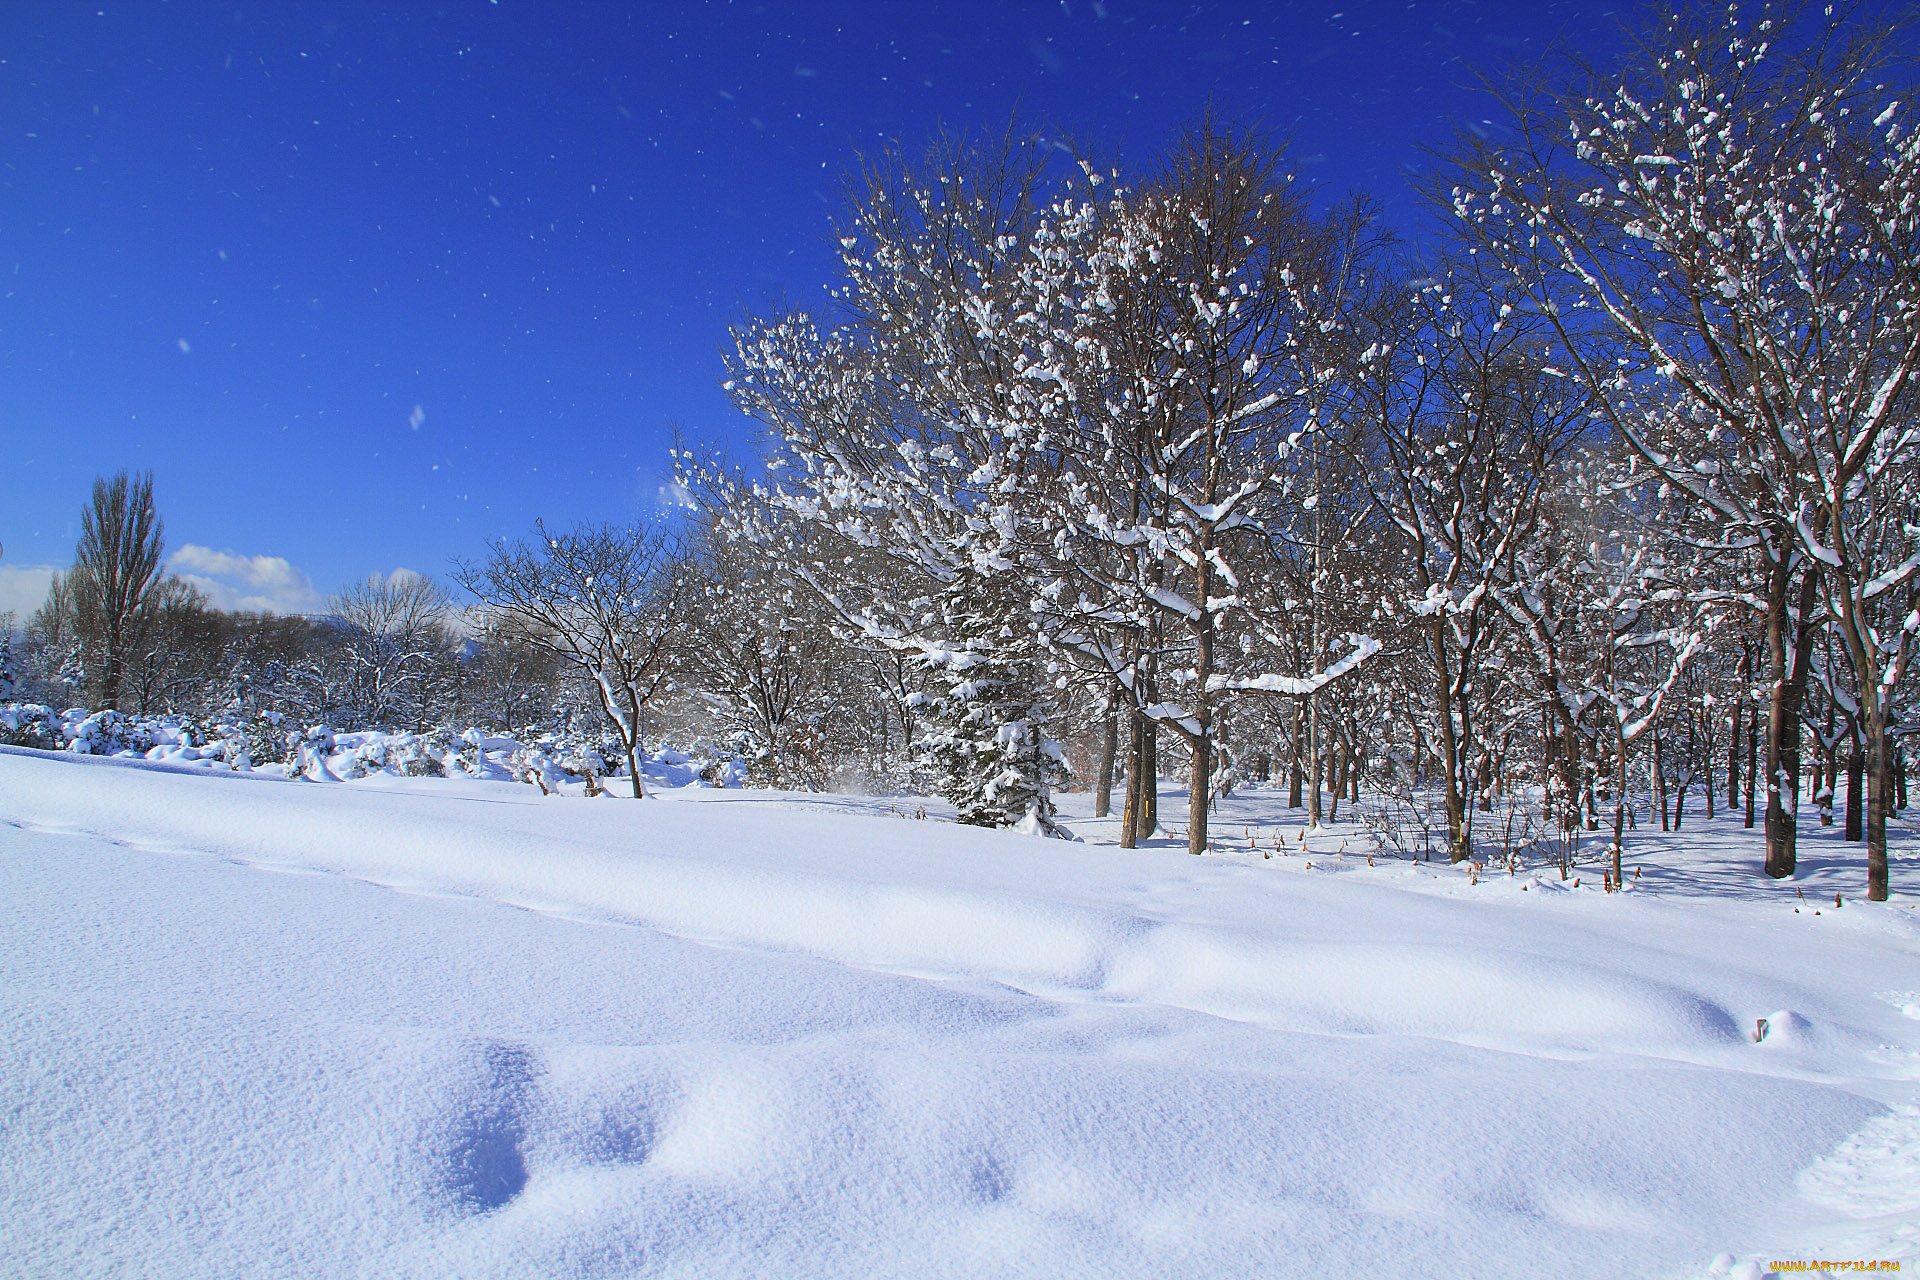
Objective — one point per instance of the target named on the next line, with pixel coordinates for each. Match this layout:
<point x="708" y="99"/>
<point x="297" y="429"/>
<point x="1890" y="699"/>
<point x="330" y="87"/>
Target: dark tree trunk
<point x="1659" y="781"/>
<point x="1198" y="792"/>
<point x="1825" y="781"/>
<point x="1293" y="760"/>
<point x="1450" y="745"/>
<point x="1150" y="781"/>
<point x="1878" y="794"/>
<point x="1109" y="744"/>
<point x="1141" y="818"/>
<point x="1789" y="671"/>
<point x="1619" y="807"/>
<point x="1856" y="765"/>
<point x="1753" y="756"/>
<point x="1337" y="778"/>
<point x="1316" y="762"/>
<point x="1733" y="756"/>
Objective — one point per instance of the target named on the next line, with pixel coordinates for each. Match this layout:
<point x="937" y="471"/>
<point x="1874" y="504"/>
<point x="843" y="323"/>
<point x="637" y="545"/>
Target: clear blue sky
<point x="366" y="285"/>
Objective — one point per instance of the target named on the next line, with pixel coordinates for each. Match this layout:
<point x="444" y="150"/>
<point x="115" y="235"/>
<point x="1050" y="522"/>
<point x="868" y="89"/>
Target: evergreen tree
<point x="984" y="730"/>
<point x="9" y="679"/>
<point x="73" y="673"/>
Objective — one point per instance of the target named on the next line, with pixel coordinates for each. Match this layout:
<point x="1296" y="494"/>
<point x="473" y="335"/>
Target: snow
<point x="406" y="1026"/>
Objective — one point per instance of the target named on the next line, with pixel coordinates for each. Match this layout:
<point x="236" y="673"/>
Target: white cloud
<point x="266" y="584"/>
<point x="23" y="588"/>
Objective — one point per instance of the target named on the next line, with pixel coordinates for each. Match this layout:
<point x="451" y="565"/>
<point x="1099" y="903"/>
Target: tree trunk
<point x="1567" y="761"/>
<point x="1316" y="761"/>
<point x="1150" y="781"/>
<point x="1789" y="672"/>
<point x="1856" y="764"/>
<point x="1336" y="778"/>
<point x="1450" y="746"/>
<point x="1660" y="781"/>
<point x="1201" y="745"/>
<point x="1136" y="755"/>
<point x="1733" y="756"/>
<point x="1753" y="755"/>
<point x="1878" y="793"/>
<point x="1824" y="782"/>
<point x="1619" y="807"/>
<point x="1293" y="760"/>
<point x="1109" y="744"/>
<point x="1141" y="817"/>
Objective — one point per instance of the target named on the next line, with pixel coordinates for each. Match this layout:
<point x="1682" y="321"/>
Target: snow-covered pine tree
<point x="9" y="679"/>
<point x="73" y="674"/>
<point x="984" y="726"/>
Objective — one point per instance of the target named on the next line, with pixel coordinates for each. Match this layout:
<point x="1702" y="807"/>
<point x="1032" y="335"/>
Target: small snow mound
<point x="1785" y="1029"/>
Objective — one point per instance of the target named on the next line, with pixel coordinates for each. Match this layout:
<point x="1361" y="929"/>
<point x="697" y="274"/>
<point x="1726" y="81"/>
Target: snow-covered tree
<point x="984" y="733"/>
<point x="1461" y="430"/>
<point x="391" y="657"/>
<point x="608" y="602"/>
<point x="1097" y="400"/>
<point x="903" y="458"/>
<point x="1180" y="345"/>
<point x="1726" y="234"/>
<point x="9" y="677"/>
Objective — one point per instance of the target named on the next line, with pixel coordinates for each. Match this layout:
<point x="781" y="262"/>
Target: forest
<point x="1592" y="504"/>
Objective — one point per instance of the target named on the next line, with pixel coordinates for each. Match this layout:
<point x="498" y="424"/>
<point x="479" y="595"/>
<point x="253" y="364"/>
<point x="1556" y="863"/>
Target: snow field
<point x="734" y="1033"/>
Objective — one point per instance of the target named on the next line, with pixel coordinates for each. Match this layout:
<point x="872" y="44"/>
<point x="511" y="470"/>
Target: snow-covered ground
<point x="450" y="1027"/>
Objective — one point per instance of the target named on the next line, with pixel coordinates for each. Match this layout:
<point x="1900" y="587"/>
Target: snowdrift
<point x="730" y="1033"/>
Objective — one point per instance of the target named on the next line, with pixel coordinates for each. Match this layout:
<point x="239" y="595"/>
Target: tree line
<point x="1604" y="490"/>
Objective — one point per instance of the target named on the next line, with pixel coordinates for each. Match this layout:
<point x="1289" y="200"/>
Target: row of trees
<point x="1608" y="488"/>
<point x="1629" y="449"/>
<point x="117" y="632"/>
<point x="605" y="634"/>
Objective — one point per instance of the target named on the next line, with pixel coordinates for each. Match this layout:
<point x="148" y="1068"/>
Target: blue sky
<point x="367" y="285"/>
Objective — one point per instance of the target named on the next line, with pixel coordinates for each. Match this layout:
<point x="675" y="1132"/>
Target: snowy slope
<point x="261" y="1027"/>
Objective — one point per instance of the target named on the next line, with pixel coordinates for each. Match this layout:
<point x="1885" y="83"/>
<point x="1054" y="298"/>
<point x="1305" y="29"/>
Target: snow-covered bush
<point x="308" y="752"/>
<point x="107" y="733"/>
<point x="29" y="724"/>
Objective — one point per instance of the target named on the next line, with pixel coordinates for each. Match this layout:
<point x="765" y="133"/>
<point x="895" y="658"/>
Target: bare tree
<point x="765" y="659"/>
<point x="116" y="568"/>
<point x="609" y="602"/>
<point x="393" y="648"/>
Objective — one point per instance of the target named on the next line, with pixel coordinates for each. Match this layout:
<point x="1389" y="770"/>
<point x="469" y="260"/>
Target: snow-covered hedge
<point x="322" y="754"/>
